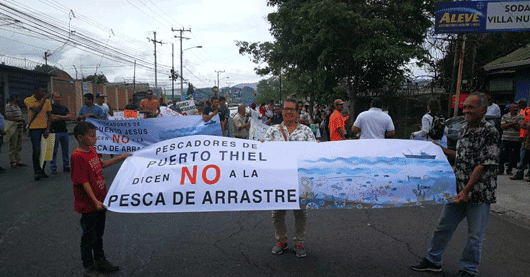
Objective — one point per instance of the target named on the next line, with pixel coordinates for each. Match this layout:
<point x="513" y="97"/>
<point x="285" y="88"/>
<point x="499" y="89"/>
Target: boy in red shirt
<point x="89" y="194"/>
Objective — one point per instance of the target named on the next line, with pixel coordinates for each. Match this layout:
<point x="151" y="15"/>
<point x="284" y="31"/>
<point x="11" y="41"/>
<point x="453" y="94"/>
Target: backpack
<point x="437" y="127"/>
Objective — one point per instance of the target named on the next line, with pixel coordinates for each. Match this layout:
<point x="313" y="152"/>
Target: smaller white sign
<point x="508" y="15"/>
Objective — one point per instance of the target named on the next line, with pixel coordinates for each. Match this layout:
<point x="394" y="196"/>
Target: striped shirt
<point x="511" y="133"/>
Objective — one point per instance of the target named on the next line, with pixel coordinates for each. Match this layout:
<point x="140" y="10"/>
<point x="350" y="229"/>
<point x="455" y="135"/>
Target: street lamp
<point x="181" y="73"/>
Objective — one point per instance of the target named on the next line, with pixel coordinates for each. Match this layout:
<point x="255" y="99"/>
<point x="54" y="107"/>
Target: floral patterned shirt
<point x="301" y="133"/>
<point x="478" y="146"/>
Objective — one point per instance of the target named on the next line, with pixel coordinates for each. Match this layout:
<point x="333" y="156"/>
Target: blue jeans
<point x="525" y="157"/>
<point x="63" y="139"/>
<point x="93" y="226"/>
<point x="452" y="214"/>
<point x="35" y="136"/>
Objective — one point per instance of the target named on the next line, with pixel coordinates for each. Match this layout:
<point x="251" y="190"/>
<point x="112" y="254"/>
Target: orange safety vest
<point x="526" y="113"/>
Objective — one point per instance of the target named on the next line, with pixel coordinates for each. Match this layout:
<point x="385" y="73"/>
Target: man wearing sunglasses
<point x="150" y="105"/>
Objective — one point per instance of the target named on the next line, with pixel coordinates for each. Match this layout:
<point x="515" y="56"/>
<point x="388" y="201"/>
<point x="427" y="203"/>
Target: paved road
<point x="39" y="236"/>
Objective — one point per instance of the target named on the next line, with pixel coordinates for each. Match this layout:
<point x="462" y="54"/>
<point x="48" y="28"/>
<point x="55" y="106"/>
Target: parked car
<point x="454" y="124"/>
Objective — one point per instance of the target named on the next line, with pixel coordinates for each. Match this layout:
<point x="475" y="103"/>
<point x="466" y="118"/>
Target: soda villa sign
<point x="482" y="16"/>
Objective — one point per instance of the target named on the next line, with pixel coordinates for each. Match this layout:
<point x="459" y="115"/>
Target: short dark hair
<point x="222" y="98"/>
<point x="82" y="128"/>
<point x="291" y="100"/>
<point x="89" y="96"/>
<point x="377" y="102"/>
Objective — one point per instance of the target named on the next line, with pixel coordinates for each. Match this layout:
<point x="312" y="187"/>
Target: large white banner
<point x="126" y="136"/>
<point x="205" y="173"/>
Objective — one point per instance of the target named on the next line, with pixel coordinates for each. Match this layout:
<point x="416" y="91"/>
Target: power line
<point x="161" y="24"/>
<point x="165" y="13"/>
<point x="49" y="30"/>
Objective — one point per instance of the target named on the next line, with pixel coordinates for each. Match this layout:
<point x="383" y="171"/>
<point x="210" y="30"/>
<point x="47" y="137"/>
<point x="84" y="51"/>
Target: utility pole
<point x="181" y="73"/>
<point x="172" y="72"/>
<point x="459" y="77"/>
<point x="75" y="72"/>
<point x="46" y="55"/>
<point x="134" y="76"/>
<point x="174" y="75"/>
<point x="154" y="43"/>
<point x="218" y="72"/>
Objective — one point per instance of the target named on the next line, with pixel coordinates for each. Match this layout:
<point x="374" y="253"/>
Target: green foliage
<point x="481" y="49"/>
<point x="190" y="89"/>
<point x="96" y="78"/>
<point x="359" y="45"/>
<point x="45" y="68"/>
<point x="268" y="89"/>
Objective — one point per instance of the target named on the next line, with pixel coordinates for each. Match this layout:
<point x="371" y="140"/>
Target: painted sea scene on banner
<point x="375" y="182"/>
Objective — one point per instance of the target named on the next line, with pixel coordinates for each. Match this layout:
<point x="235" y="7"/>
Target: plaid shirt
<point x="478" y="146"/>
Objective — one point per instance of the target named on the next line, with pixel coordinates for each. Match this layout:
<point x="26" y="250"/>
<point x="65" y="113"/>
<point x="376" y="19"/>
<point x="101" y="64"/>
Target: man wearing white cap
<point x="100" y="101"/>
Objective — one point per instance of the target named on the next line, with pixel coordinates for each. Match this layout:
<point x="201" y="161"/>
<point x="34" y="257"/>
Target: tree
<point x="359" y="45"/>
<point x="190" y="89"/>
<point x="45" y="68"/>
<point x="96" y="78"/>
<point x="481" y="49"/>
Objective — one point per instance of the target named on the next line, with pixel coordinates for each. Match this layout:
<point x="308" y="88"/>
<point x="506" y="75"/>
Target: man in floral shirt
<point x="289" y="130"/>
<point x="476" y="160"/>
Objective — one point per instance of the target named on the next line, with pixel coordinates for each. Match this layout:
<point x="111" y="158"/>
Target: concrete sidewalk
<point x="513" y="199"/>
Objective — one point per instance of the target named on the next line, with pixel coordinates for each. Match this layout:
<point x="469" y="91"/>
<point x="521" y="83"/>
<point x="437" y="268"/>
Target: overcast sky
<point x="126" y="24"/>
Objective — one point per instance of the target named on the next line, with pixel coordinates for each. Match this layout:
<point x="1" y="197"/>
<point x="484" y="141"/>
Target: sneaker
<point x="2" y="170"/>
<point x="279" y="248"/>
<point x="426" y="265"/>
<point x="105" y="266"/>
<point x="300" y="251"/>
<point x="54" y="171"/>
<point x="90" y="271"/>
<point x="462" y="273"/>
<point x="517" y="176"/>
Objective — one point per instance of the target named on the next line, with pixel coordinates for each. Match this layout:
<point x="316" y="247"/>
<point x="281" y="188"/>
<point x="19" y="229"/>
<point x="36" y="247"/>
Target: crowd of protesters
<point x="477" y="156"/>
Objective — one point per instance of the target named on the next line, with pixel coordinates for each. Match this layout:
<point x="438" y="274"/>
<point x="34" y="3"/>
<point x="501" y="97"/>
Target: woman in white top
<point x="433" y="107"/>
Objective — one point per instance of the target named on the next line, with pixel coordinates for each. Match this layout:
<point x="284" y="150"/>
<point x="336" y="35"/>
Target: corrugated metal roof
<point x="520" y="57"/>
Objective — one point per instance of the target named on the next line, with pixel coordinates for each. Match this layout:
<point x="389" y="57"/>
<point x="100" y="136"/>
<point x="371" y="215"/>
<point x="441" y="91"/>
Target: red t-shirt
<point x="86" y="168"/>
<point x="262" y="110"/>
<point x="335" y="121"/>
